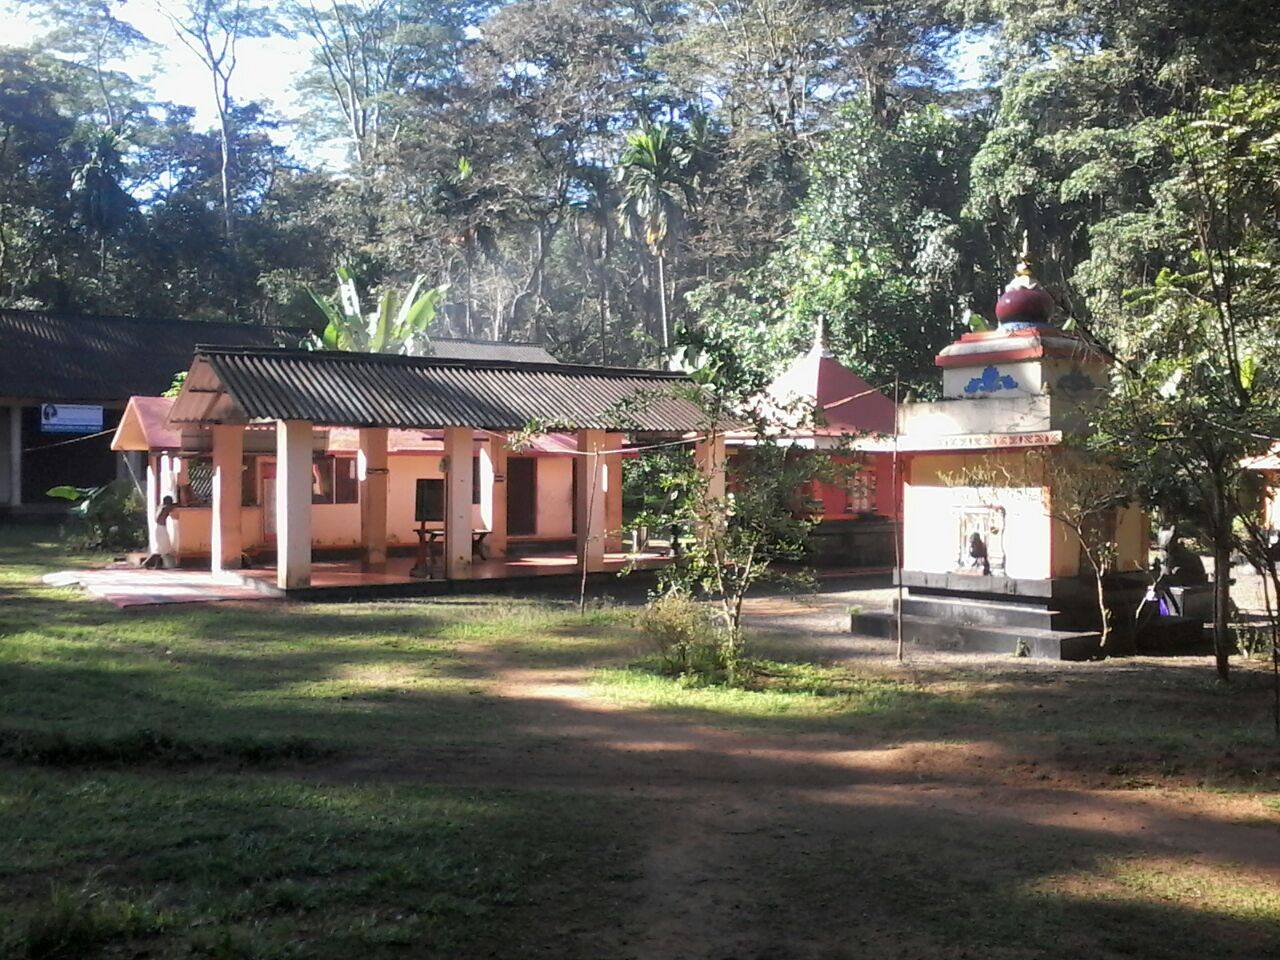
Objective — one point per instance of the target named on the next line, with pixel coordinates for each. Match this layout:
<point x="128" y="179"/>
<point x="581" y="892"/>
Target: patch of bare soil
<point x="817" y="846"/>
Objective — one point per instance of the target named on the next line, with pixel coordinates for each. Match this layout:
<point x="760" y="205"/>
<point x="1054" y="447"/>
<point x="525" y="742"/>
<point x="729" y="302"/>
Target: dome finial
<point x="1024" y="302"/>
<point x="1024" y="257"/>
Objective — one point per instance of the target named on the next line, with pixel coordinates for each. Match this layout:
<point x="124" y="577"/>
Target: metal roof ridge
<point x="504" y="343"/>
<point x="349" y="356"/>
<point x="159" y="321"/>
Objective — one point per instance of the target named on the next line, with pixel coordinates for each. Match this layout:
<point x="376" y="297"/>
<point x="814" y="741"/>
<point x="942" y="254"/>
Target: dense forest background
<point x="607" y="176"/>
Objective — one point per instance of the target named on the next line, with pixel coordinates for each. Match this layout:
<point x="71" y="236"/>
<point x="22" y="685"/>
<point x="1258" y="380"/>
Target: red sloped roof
<point x="847" y="402"/>
<point x="144" y="425"/>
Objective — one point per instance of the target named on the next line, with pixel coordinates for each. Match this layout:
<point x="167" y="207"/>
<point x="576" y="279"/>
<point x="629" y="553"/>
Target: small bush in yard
<point x="110" y="517"/>
<point x="683" y="635"/>
<point x="76" y="922"/>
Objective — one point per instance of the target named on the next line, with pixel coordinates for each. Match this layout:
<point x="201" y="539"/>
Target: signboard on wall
<point x="70" y="418"/>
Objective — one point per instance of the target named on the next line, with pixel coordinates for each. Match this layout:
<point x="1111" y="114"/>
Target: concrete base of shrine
<point x="1055" y="618"/>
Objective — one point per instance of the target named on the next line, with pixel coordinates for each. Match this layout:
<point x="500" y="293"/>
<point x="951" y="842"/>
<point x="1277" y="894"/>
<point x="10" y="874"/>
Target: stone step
<point x="994" y="613"/>
<point x="937" y="634"/>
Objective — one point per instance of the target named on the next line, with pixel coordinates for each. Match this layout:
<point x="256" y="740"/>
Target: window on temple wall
<point x="860" y="490"/>
<point x="197" y="489"/>
<point x="333" y="480"/>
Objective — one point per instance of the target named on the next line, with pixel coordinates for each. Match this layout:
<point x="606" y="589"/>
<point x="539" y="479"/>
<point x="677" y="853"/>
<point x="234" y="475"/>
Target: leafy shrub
<point x="1253" y="639"/>
<point x="76" y="922"/>
<point x="109" y="517"/>
<point x="684" y="636"/>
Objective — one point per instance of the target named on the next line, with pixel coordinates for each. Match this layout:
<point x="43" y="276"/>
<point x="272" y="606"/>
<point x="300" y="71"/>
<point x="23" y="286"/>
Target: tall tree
<point x="657" y="195"/>
<point x="1195" y="393"/>
<point x="370" y="53"/>
<point x="212" y="30"/>
<point x="90" y="34"/>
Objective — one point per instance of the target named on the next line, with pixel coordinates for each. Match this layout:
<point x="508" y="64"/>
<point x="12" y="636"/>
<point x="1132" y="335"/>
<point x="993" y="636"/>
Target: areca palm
<point x="657" y="193"/>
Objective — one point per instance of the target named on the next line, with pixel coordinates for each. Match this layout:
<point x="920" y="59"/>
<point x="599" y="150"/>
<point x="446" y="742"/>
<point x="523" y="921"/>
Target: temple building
<point x="294" y="470"/>
<point x="821" y="405"/>
<point x="988" y="563"/>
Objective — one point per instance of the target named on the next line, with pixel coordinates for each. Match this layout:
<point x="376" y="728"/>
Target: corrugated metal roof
<point x="376" y="390"/>
<point x="65" y="358"/>
<point x="466" y="349"/>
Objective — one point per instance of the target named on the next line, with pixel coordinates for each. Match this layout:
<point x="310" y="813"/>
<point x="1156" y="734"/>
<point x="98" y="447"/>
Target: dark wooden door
<point x="522" y="496"/>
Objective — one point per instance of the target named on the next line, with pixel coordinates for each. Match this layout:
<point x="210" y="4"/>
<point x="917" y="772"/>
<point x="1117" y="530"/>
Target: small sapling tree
<point x="730" y="544"/>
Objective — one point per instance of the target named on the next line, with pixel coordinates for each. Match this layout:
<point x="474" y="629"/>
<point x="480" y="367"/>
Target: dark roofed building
<point x="68" y="378"/>
<point x="231" y="385"/>
<point x="60" y="358"/>
<point x="65" y="379"/>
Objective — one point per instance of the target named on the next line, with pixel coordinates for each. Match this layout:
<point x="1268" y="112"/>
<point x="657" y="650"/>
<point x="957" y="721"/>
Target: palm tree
<point x="102" y="204"/>
<point x="656" y="194"/>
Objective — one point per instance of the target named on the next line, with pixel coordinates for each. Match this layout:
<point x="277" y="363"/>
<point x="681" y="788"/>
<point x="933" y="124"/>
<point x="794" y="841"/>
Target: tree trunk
<point x="1221" y="602"/>
<point x="662" y="306"/>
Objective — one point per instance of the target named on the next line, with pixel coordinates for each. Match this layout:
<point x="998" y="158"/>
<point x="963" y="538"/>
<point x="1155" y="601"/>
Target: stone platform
<point x="1056" y="619"/>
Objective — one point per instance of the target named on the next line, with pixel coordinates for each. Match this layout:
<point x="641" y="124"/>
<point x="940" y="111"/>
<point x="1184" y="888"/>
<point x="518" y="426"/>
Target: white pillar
<point x="457" y="502"/>
<point x="613" y="493"/>
<point x="497" y="539"/>
<point x="153" y="504"/>
<point x="228" y="491"/>
<point x="169" y="467"/>
<point x="293" y="504"/>
<point x="590" y="507"/>
<point x="372" y="473"/>
<point x="15" y="455"/>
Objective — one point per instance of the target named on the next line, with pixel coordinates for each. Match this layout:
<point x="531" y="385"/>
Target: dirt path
<point x="776" y="846"/>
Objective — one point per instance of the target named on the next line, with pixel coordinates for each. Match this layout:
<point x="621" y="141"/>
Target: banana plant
<point x="398" y="325"/>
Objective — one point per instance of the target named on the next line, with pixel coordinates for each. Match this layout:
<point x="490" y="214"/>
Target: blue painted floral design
<point x="991" y="381"/>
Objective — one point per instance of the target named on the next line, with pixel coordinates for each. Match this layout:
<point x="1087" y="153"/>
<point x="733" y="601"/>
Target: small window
<point x="198" y="490"/>
<point x="860" y="493"/>
<point x="475" y="480"/>
<point x="322" y="480"/>
<point x="333" y="480"/>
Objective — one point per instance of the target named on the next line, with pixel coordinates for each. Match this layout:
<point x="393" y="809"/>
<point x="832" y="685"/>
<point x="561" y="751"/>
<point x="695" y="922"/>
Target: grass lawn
<point x="487" y="777"/>
<point x="1114" y="727"/>
<point x="174" y="779"/>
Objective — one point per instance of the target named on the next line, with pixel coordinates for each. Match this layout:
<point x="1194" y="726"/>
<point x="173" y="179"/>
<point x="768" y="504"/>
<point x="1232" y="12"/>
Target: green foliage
<point x="1191" y="401"/>
<point x="73" y="922"/>
<point x="396" y="326"/>
<point x="683" y="636"/>
<point x="109" y="517"/>
<point x="729" y="546"/>
<point x="879" y="256"/>
<point x="175" y="387"/>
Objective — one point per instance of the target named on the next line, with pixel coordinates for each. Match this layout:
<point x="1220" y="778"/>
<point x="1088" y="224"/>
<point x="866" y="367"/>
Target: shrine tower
<point x="987" y="565"/>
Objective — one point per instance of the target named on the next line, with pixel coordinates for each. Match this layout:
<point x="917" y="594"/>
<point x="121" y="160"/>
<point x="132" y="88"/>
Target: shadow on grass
<point x="244" y="866"/>
<point x="914" y="881"/>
